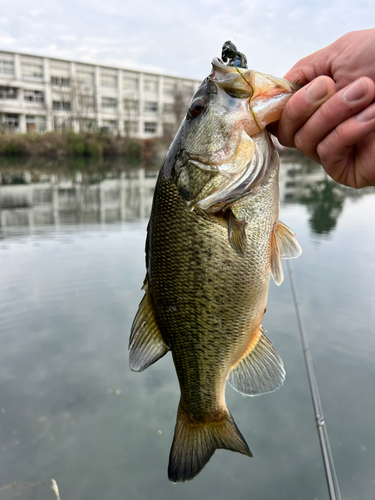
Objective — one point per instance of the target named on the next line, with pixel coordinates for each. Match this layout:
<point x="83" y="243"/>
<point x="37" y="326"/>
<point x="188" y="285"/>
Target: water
<point x="71" y="268"/>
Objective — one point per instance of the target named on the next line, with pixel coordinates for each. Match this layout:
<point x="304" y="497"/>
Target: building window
<point x="109" y="102"/>
<point x="169" y="88"/>
<point x="131" y="127"/>
<point x="129" y="83"/>
<point x="8" y="93"/>
<point x="131" y="105"/>
<point x="32" y="70"/>
<point x="151" y="107"/>
<point x="86" y="102"/>
<point x="60" y="81"/>
<point x="33" y="95"/>
<point x="85" y="77"/>
<point x="36" y="123"/>
<point x="6" y="67"/>
<point x="61" y="105"/>
<point x="109" y="126"/>
<point x="150" y="85"/>
<point x="108" y="81"/>
<point x="150" y="127"/>
<point x="12" y="121"/>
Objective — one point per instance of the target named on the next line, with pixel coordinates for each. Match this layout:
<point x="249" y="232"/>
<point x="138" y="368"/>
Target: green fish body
<point x="213" y="240"/>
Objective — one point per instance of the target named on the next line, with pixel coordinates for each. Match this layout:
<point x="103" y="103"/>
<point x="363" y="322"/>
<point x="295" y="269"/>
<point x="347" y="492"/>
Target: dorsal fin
<point x="146" y="343"/>
<point x="260" y="370"/>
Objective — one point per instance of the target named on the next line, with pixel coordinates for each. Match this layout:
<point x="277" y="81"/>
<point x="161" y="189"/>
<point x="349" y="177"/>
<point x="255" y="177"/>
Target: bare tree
<point x="73" y="104"/>
<point x="131" y="115"/>
<point x="174" y="112"/>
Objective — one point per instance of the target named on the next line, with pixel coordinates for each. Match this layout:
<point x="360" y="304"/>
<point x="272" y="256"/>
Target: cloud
<point x="67" y="38"/>
<point x="7" y="40"/>
<point x="182" y="37"/>
<point x="36" y="12"/>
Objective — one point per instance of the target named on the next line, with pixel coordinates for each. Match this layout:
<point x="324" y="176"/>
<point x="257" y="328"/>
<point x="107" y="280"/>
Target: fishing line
<point x="329" y="466"/>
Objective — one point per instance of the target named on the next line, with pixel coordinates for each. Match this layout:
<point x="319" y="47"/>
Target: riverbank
<point x="84" y="144"/>
<point x="92" y="147"/>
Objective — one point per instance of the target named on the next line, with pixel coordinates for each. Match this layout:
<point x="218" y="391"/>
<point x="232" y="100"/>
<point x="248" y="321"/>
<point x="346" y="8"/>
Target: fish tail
<point x="195" y="442"/>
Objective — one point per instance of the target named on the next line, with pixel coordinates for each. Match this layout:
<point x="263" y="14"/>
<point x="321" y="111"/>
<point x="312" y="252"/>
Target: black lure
<point x="233" y="56"/>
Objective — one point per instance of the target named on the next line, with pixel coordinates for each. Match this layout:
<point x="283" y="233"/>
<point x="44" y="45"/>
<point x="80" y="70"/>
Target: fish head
<point x="220" y="158"/>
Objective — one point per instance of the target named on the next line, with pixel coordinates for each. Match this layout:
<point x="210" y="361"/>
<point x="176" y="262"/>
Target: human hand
<point x="332" y="119"/>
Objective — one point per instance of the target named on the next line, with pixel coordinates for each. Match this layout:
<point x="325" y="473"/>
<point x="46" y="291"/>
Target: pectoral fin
<point x="276" y="266"/>
<point x="288" y="244"/>
<point x="260" y="370"/>
<point x="237" y="234"/>
<point x="284" y="245"/>
<point x="146" y="344"/>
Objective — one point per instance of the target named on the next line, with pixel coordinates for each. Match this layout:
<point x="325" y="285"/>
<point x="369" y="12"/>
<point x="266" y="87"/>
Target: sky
<point x="179" y="38"/>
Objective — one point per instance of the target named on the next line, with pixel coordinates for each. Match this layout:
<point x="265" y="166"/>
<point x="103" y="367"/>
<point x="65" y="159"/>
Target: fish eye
<point x="196" y="108"/>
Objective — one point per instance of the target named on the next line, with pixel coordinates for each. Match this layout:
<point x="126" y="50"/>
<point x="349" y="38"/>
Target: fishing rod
<point x="329" y="466"/>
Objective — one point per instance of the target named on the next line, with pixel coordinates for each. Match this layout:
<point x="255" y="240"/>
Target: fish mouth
<point x="242" y="82"/>
<point x="218" y="63"/>
<point x="244" y="164"/>
<point x="236" y="82"/>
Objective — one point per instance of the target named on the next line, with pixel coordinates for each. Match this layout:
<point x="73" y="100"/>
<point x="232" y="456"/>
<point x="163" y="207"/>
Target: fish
<point x="213" y="240"/>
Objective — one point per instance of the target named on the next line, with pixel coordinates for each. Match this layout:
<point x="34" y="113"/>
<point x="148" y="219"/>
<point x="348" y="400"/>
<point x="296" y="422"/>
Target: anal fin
<point x="146" y="344"/>
<point x="260" y="369"/>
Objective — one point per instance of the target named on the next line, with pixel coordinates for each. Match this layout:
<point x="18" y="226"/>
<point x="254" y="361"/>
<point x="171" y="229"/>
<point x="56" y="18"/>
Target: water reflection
<point x="71" y="409"/>
<point x="51" y="199"/>
<point x="54" y="197"/>
<point x="307" y="184"/>
<point x="325" y="201"/>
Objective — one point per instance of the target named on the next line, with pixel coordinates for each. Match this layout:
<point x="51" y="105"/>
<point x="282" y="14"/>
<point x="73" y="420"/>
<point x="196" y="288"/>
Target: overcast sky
<point x="179" y="37"/>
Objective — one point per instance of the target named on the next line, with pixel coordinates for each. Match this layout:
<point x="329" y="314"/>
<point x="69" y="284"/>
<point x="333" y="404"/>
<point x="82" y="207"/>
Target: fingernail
<point x="367" y="115"/>
<point x="317" y="90"/>
<point x="355" y="91"/>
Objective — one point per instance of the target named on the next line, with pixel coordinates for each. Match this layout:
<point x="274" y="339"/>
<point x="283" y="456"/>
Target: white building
<point x="44" y="93"/>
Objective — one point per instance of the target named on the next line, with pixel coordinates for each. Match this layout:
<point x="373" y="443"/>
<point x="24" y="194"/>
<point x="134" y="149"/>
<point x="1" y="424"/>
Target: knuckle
<point x="285" y="140"/>
<point x="322" y="153"/>
<point x="327" y="110"/>
<point x="292" y="112"/>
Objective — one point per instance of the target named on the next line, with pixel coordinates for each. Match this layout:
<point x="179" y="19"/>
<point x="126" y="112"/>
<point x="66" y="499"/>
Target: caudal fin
<point x="194" y="443"/>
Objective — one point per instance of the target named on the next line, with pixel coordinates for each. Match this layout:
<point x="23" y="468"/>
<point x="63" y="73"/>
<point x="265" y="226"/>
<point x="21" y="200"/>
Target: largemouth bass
<point x="213" y="240"/>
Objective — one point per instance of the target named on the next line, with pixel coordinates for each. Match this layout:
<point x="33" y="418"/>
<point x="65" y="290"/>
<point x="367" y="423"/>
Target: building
<point x="43" y="93"/>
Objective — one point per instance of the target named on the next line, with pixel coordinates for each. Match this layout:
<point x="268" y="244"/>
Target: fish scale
<point x="203" y="283"/>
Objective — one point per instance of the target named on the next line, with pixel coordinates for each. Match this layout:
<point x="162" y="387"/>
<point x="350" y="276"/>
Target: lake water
<point x="71" y="269"/>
